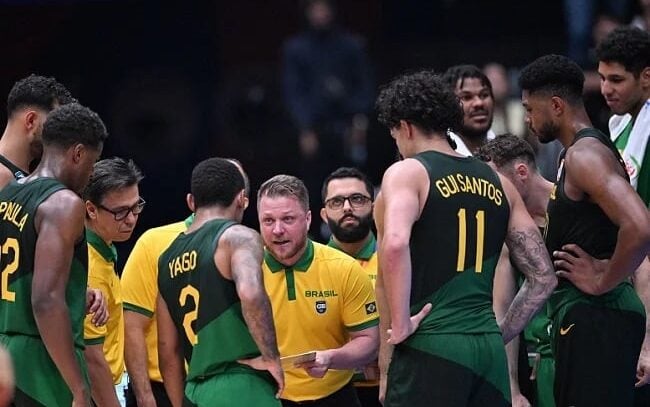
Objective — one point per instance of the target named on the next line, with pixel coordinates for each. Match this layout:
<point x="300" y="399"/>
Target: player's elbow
<point x="394" y="246"/>
<point x="44" y="303"/>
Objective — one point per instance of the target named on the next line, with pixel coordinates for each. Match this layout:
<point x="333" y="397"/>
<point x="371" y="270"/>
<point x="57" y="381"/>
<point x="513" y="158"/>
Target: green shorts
<point x="38" y="381"/>
<point x="231" y="389"/>
<point x="449" y="370"/>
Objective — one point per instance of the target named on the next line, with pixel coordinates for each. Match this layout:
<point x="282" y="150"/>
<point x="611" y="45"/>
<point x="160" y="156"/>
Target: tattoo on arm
<point x="529" y="255"/>
<point x="247" y="255"/>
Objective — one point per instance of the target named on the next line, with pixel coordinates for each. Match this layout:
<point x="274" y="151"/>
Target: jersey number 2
<point x="10" y="244"/>
<point x="191" y="316"/>
<point x="462" y="240"/>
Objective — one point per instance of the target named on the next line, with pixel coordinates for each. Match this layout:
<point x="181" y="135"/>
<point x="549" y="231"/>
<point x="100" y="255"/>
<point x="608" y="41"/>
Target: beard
<point x="351" y="234"/>
<point x="475" y="133"/>
<point x="547" y="133"/>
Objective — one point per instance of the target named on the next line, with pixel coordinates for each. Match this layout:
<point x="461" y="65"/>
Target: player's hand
<point x="580" y="268"/>
<point x="272" y="365"/>
<point x="96" y="305"/>
<point x="319" y="366"/>
<point x="398" y="335"/>
<point x="518" y="400"/>
<point x="371" y="371"/>
<point x="643" y="367"/>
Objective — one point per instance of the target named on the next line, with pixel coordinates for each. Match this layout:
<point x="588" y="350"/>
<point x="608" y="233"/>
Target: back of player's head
<point x="286" y="186"/>
<point x="553" y="75"/>
<point x="73" y="124"/>
<point x="216" y="181"/>
<point x="347" y="172"/>
<point x="457" y="73"/>
<point x="422" y="99"/>
<point x="111" y="174"/>
<point x="628" y="46"/>
<point x="506" y="149"/>
<point x="247" y="183"/>
<point x="37" y="91"/>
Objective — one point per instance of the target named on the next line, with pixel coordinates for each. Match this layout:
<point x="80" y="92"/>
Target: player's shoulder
<point x="238" y="234"/>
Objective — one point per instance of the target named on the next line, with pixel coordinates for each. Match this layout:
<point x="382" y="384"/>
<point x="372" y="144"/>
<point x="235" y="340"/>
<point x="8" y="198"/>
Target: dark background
<point x="176" y="83"/>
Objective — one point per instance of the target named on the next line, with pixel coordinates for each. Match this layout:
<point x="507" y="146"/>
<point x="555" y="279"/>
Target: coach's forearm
<point x="136" y="356"/>
<point x="359" y="351"/>
<point x="101" y="380"/>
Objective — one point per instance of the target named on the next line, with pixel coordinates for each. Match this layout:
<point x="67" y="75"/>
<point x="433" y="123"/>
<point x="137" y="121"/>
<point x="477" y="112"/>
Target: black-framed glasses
<point x="356" y="201"/>
<point x="122" y="213"/>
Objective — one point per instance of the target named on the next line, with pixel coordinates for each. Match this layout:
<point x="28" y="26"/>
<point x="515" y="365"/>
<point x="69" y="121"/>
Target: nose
<point x="131" y="218"/>
<point x="347" y="207"/>
<point x="277" y="228"/>
<point x="477" y="101"/>
<point x="605" y="87"/>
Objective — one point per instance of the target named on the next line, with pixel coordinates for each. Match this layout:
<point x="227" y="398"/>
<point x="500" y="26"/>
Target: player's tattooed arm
<point x="529" y="255"/>
<point x="245" y="264"/>
<point x="245" y="267"/>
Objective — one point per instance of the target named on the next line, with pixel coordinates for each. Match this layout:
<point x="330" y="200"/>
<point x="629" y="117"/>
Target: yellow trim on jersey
<point x="332" y="296"/>
<point x="140" y="284"/>
<point x="101" y="275"/>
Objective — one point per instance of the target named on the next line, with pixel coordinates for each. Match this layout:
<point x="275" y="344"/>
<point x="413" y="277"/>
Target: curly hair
<point x="72" y="123"/>
<point x="422" y="99"/>
<point x="555" y="75"/>
<point x="38" y="91"/>
<point x="461" y="72"/>
<point x="505" y="149"/>
<point x="629" y="46"/>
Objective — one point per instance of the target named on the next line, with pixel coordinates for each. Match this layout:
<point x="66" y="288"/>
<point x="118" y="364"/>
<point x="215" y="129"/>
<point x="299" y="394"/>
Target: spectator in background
<point x="328" y="92"/>
<point x="509" y="114"/>
<point x="579" y="20"/>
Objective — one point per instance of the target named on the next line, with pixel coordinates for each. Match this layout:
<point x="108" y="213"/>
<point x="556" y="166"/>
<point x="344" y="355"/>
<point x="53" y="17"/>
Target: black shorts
<point x="159" y="393"/>
<point x="596" y="353"/>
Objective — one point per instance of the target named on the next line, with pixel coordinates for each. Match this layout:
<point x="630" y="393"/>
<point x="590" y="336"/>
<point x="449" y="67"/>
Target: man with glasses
<point x="113" y="204"/>
<point x="348" y="200"/>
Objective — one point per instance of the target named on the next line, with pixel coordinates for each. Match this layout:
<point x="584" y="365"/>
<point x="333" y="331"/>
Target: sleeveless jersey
<point x="455" y="245"/>
<point x="203" y="304"/>
<point x="18" y="205"/>
<point x="17" y="172"/>
<point x="580" y="222"/>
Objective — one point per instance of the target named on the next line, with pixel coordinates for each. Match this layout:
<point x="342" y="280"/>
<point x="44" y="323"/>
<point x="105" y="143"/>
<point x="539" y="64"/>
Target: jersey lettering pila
<point x="579" y="222"/>
<point x="455" y="245"/>
<point x="316" y="303"/>
<point x="203" y="304"/>
<point x="18" y="206"/>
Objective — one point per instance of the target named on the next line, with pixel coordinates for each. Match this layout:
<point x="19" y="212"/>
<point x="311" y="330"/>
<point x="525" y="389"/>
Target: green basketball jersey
<point x="203" y="304"/>
<point x="455" y="245"/>
<point x="18" y="205"/>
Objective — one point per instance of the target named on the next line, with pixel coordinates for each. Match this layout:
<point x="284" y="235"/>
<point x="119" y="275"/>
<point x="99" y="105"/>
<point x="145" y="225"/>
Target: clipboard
<point x="291" y="361"/>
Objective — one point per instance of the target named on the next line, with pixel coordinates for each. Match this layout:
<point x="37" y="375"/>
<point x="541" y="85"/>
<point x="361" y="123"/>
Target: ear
<point x="557" y="105"/>
<point x="31" y="120"/>
<point x="645" y="78"/>
<point x="78" y="151"/>
<point x="243" y="199"/>
<point x="407" y="128"/>
<point x="521" y="170"/>
<point x="308" y="218"/>
<point x="189" y="199"/>
<point x="323" y="214"/>
<point x="91" y="210"/>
